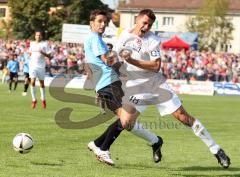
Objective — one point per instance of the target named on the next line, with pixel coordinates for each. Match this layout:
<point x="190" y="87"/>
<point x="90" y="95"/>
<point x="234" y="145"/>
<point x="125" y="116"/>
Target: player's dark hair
<point x="97" y="12"/>
<point x="149" y="13"/>
<point x="110" y="45"/>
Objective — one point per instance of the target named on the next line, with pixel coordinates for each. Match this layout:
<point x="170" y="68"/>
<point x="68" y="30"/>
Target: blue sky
<point x="112" y="3"/>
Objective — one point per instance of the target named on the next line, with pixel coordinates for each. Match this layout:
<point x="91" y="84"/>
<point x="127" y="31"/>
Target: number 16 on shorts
<point x="134" y="100"/>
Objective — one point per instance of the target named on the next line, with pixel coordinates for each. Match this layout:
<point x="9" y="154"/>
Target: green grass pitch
<point x="61" y="152"/>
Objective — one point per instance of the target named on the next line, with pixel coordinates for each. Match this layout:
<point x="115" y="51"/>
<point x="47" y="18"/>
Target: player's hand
<point x="125" y="54"/>
<point x="45" y="54"/>
<point x="42" y="52"/>
<point x="110" y="61"/>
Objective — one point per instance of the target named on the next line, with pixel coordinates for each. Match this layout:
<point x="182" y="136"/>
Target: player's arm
<point x="106" y="59"/>
<point x="8" y="65"/>
<point x="46" y="54"/>
<point x="18" y="67"/>
<point x="152" y="65"/>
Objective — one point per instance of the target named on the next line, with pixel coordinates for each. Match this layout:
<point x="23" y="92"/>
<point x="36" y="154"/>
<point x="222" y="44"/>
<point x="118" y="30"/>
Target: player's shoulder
<point x="91" y="37"/>
<point x="125" y="33"/>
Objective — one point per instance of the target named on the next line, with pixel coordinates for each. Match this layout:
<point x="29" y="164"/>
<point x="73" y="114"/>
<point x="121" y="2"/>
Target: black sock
<point x="10" y="85"/>
<point x="99" y="141"/>
<point x="15" y="86"/>
<point x="25" y="87"/>
<point x="113" y="132"/>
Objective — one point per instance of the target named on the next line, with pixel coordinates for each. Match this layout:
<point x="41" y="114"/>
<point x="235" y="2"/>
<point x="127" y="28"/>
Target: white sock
<point x="201" y="132"/>
<point x="145" y="134"/>
<point x="33" y="93"/>
<point x="42" y="91"/>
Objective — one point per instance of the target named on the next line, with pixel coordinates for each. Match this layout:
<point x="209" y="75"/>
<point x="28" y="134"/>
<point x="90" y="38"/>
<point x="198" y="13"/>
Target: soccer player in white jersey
<point x="38" y="51"/>
<point x="108" y="87"/>
<point x="140" y="50"/>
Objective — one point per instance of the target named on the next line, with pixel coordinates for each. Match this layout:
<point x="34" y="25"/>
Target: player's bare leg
<point x="43" y="95"/>
<point x="26" y="84"/>
<point x="201" y="132"/>
<point x="33" y="93"/>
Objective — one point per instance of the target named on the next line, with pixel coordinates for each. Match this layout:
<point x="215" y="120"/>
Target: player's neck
<point x="135" y="33"/>
<point x="100" y="34"/>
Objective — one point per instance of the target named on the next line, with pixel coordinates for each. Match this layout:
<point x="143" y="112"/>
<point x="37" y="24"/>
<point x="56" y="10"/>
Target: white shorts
<point x="37" y="73"/>
<point x="163" y="97"/>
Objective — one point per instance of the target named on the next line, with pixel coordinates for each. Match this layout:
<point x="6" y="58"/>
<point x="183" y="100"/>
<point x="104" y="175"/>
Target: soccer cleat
<point x="157" y="155"/>
<point x="104" y="156"/>
<point x="34" y="104"/>
<point x="92" y="147"/>
<point x="223" y="159"/>
<point x="24" y="93"/>
<point x="44" y="105"/>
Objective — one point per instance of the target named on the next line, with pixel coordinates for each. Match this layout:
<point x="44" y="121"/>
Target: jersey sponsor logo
<point x="155" y="53"/>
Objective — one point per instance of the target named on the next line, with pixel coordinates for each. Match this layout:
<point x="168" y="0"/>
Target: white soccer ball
<point x="22" y="143"/>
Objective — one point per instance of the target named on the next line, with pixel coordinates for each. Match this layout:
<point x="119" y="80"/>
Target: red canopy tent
<point x="175" y="42"/>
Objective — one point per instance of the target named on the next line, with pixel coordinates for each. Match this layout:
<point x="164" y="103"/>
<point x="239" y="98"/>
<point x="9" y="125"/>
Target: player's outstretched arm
<point x="152" y="65"/>
<point x="46" y="55"/>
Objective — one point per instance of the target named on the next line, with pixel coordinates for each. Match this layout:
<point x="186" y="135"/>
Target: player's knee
<point x="183" y="117"/>
<point x="120" y="124"/>
<point x="127" y="125"/>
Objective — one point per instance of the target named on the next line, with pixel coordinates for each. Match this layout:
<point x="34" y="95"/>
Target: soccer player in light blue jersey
<point x="25" y="59"/>
<point x="13" y="67"/>
<point x="108" y="87"/>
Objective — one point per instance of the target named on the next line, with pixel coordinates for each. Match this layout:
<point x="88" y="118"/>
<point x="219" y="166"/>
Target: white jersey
<point x="37" y="60"/>
<point x="144" y="87"/>
<point x="146" y="48"/>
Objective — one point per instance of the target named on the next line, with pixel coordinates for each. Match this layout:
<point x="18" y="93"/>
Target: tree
<point x="79" y="10"/>
<point x="29" y="16"/>
<point x="212" y="25"/>
<point x="55" y="23"/>
<point x="6" y="29"/>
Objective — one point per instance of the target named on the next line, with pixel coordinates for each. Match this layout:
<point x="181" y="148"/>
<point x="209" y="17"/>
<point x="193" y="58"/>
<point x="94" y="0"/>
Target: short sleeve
<point x="98" y="46"/>
<point x="154" y="48"/>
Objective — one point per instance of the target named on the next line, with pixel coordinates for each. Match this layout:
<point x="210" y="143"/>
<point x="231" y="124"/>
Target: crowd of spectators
<point x="66" y="58"/>
<point x="203" y="66"/>
<point x="176" y="64"/>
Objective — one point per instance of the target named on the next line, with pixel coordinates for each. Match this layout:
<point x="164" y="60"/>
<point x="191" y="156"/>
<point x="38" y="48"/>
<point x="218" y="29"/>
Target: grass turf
<point x="62" y="152"/>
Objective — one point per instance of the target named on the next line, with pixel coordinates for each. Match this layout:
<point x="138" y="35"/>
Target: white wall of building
<point x="235" y="43"/>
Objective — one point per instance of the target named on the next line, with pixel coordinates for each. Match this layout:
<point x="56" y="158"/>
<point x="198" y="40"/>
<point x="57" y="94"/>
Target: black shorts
<point x="26" y="75"/>
<point x="13" y="75"/>
<point x="112" y="94"/>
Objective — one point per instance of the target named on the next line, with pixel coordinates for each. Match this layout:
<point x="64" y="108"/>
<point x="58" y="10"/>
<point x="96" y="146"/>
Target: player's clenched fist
<point x="125" y="54"/>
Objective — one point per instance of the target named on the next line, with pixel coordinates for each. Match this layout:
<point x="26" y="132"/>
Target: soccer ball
<point x="125" y="51"/>
<point x="22" y="143"/>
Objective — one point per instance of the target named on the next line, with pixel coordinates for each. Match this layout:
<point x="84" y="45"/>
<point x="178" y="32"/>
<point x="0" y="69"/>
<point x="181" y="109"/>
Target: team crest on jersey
<point x="135" y="45"/>
<point x="138" y="42"/>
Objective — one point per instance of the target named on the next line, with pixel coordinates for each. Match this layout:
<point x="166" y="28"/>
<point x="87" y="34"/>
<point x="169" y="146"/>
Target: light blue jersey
<point x="25" y="58"/>
<point x="13" y="66"/>
<point x="103" y="75"/>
